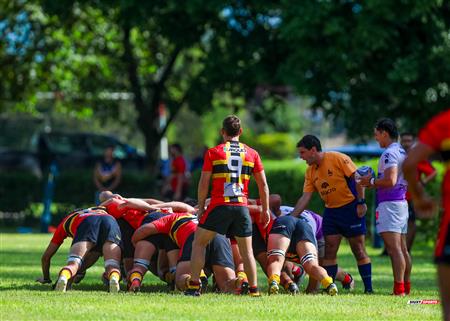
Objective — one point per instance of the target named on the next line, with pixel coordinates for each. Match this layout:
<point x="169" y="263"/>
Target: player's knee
<point x="360" y="253"/>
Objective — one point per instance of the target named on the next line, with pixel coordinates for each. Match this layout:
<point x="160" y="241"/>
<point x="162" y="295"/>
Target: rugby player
<point x="181" y="227"/>
<point x="157" y="249"/>
<point x="294" y="236"/>
<point x="434" y="138"/>
<point x="331" y="174"/>
<point x="425" y="173"/>
<point x="230" y="165"/>
<point x="295" y="273"/>
<point x="92" y="229"/>
<point x="392" y="208"/>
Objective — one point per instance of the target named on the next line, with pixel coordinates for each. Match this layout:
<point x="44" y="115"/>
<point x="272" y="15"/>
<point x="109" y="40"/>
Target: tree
<point x="163" y="52"/>
<point x="362" y="60"/>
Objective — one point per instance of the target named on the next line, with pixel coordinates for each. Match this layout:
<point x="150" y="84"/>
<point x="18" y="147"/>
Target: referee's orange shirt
<point x="331" y="179"/>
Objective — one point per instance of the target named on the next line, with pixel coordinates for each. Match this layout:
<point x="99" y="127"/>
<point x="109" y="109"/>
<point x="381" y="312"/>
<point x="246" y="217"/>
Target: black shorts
<point x="127" y="232"/>
<point x="98" y="229"/>
<point x="218" y="252"/>
<point x="258" y="243"/>
<point x="186" y="250"/>
<point x="228" y="220"/>
<point x="160" y="241"/>
<point x="295" y="229"/>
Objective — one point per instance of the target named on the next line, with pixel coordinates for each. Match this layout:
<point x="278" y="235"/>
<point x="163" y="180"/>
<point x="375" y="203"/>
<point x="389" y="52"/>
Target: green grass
<point x="23" y="299"/>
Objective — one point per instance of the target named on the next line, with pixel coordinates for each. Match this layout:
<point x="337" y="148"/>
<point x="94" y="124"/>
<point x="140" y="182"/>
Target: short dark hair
<point x="177" y="147"/>
<point x="310" y="141"/>
<point x="407" y="134"/>
<point x="387" y="125"/>
<point x="231" y="125"/>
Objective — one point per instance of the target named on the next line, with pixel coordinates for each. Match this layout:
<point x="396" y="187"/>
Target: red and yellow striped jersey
<point x="132" y="216"/>
<point x="232" y="165"/>
<point x="69" y="225"/>
<point x="179" y="226"/>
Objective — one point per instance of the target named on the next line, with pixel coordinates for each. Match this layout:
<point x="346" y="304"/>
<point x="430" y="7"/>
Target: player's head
<point x="309" y="148"/>
<point x="105" y="195"/>
<point x="231" y="126"/>
<point x="407" y="140"/>
<point x="175" y="150"/>
<point x="108" y="153"/>
<point x="385" y="132"/>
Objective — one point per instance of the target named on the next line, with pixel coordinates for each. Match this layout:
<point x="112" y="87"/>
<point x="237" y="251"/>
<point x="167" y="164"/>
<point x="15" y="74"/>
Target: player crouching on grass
<point x="92" y="229"/>
<point x="181" y="227"/>
<point x="295" y="236"/>
<point x="156" y="253"/>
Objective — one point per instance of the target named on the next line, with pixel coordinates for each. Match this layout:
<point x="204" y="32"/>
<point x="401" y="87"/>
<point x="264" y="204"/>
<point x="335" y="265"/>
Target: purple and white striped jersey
<point x="394" y="155"/>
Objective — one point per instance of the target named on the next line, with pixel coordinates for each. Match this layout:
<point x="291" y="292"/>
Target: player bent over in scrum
<point x="181" y="227"/>
<point x="92" y="229"/>
<point x="294" y="236"/>
<point x="157" y="246"/>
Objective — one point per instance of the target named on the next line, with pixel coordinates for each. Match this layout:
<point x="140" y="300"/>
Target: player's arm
<point x="429" y="176"/>
<point x="361" y="207"/>
<point x="152" y="201"/>
<point x="389" y="178"/>
<point x="423" y="204"/>
<point x="302" y="203"/>
<point x="178" y="207"/>
<point x="136" y="204"/>
<point x="143" y="232"/>
<point x="46" y="258"/>
<point x="202" y="192"/>
<point x="263" y="190"/>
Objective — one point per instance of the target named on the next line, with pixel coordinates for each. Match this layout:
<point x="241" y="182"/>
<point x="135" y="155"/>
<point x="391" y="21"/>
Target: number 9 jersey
<point x="231" y="164"/>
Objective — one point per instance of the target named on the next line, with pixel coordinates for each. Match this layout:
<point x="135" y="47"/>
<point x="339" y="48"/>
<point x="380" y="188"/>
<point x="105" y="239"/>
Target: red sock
<point x="347" y="279"/>
<point x="399" y="288"/>
<point x="407" y="287"/>
<point x="296" y="270"/>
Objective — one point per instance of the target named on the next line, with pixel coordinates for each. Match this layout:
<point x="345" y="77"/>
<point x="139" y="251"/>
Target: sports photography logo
<point x="423" y="301"/>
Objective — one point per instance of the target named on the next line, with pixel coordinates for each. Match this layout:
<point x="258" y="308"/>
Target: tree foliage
<point x="163" y="52"/>
<point x="362" y="60"/>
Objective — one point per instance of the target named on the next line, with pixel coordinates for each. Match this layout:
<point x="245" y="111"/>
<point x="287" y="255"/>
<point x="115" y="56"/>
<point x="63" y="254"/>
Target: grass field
<point x="24" y="299"/>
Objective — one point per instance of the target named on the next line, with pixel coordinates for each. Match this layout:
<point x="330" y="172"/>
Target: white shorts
<point x="392" y="216"/>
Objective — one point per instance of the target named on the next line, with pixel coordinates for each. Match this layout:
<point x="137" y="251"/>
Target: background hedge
<point x="21" y="194"/>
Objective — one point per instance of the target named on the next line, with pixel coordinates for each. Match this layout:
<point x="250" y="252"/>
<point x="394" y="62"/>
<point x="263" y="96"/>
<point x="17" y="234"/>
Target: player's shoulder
<point x="337" y="157"/>
<point x="249" y="150"/>
<point x="394" y="150"/>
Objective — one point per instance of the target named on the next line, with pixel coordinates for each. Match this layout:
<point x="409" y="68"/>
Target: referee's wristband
<point x="361" y="201"/>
